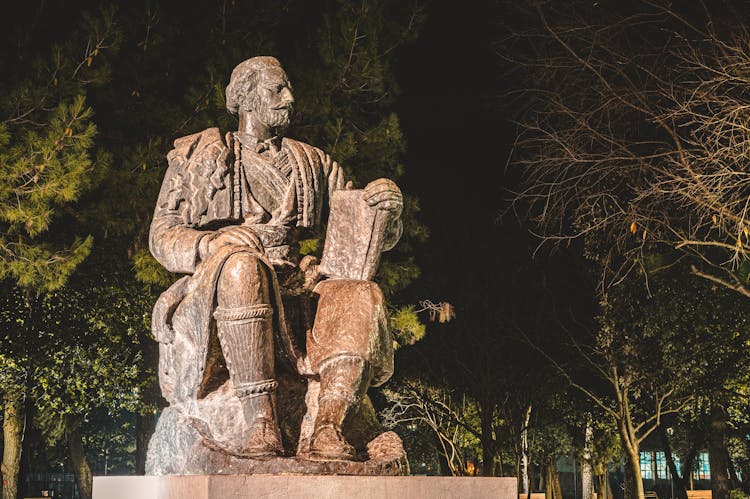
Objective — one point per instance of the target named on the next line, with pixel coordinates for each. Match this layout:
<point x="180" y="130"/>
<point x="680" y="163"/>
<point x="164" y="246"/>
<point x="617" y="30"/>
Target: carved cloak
<point x="206" y="187"/>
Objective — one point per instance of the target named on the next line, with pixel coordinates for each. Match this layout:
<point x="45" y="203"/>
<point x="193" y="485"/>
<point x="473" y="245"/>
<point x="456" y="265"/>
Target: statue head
<point x="259" y="85"/>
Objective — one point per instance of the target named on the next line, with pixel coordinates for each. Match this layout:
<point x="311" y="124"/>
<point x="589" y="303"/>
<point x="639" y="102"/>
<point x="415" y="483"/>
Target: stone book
<point x="354" y="238"/>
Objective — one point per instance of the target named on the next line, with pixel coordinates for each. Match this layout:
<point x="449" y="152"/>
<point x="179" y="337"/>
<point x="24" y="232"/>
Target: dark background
<point x="458" y="142"/>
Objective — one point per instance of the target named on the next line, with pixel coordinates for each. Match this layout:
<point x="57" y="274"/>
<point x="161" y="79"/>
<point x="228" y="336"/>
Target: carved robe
<point x="213" y="183"/>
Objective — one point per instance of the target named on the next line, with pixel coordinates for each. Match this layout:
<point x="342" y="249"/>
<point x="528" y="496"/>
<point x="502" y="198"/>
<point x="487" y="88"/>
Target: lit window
<point x="647" y="472"/>
<point x="661" y="466"/>
<point x="677" y="464"/>
<point x="702" y="469"/>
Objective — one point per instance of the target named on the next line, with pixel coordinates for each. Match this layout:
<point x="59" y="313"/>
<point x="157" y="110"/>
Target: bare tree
<point x="449" y="419"/>
<point x="631" y="393"/>
<point x="635" y="133"/>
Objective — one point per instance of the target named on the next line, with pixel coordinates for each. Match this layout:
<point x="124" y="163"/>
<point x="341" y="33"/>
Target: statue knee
<point x="243" y="281"/>
<point x="365" y="296"/>
<point x="351" y="321"/>
<point x="344" y="376"/>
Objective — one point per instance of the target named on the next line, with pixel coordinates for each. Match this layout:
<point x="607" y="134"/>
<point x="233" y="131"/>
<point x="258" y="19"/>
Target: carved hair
<point x="244" y="79"/>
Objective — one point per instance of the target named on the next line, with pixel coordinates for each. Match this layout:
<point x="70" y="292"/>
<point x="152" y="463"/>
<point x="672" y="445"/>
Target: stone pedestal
<point x="302" y="487"/>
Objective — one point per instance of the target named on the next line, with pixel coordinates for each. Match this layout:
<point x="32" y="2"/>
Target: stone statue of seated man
<point x="230" y="214"/>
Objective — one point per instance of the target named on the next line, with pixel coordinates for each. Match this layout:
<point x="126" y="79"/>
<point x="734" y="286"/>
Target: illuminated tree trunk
<point x="633" y="480"/>
<point x="14" y="423"/>
<point x="587" y="472"/>
<point x="81" y="468"/>
<point x="525" y="452"/>
<point x="717" y="454"/>
<point x="553" y="489"/>
<point x="547" y="483"/>
<point x="602" y="480"/>
<point x="489" y="445"/>
<point x="679" y="483"/>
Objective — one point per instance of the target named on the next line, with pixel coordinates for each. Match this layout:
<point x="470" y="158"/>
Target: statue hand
<point x="384" y="194"/>
<point x="235" y="235"/>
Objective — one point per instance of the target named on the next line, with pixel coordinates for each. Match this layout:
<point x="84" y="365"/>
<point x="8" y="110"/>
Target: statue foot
<point x="264" y="441"/>
<point x="328" y="444"/>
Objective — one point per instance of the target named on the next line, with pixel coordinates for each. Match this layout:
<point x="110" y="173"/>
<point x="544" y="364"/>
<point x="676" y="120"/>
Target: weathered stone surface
<point x="304" y="487"/>
<point x="355" y="237"/>
<point x="264" y="355"/>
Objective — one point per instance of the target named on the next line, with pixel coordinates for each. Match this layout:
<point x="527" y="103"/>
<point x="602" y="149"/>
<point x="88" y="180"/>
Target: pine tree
<point x="47" y="162"/>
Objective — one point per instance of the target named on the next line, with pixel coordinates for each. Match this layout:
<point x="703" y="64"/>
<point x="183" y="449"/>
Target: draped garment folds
<point x="214" y="182"/>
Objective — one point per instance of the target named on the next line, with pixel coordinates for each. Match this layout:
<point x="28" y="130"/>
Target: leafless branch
<point x="636" y="145"/>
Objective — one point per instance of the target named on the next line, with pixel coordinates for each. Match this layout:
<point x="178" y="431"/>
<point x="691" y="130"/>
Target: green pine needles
<point x="44" y="167"/>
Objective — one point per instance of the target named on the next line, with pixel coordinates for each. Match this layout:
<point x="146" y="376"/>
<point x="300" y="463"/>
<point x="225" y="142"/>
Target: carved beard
<point x="275" y="118"/>
<point x="272" y="118"/>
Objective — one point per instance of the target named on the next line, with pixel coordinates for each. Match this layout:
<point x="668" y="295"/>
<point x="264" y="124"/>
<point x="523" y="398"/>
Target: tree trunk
<point x="541" y="471"/>
<point x="633" y="480"/>
<point x="734" y="480"/>
<point x="679" y="484"/>
<point x="687" y="467"/>
<point x="717" y="453"/>
<point x="628" y="487"/>
<point x="746" y="469"/>
<point x="14" y="424"/>
<point x="144" y="428"/>
<point x="31" y="441"/>
<point x="486" y="412"/>
<point x="81" y="468"/>
<point x="488" y="461"/>
<point x="553" y="480"/>
<point x="604" y="489"/>
<point x="587" y="472"/>
<point x="525" y="452"/>
<point x="547" y="483"/>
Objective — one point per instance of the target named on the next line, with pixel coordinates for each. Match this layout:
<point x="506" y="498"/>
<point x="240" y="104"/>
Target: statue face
<point x="273" y="98"/>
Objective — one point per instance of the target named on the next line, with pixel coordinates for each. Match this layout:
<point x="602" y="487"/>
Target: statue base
<point x="196" y="439"/>
<point x="299" y="487"/>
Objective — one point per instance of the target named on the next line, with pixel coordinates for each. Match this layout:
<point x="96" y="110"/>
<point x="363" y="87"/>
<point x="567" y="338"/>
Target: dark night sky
<point x="457" y="144"/>
<point x="459" y="133"/>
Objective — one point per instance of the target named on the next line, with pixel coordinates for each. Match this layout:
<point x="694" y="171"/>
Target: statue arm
<point x="177" y="247"/>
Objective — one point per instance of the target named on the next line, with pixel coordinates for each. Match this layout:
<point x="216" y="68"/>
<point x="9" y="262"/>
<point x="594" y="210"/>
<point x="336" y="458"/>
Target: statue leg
<point x="350" y="347"/>
<point x="244" y="327"/>
<point x="343" y="382"/>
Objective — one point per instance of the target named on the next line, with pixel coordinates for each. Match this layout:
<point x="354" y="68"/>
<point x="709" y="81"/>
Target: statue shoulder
<point x="209" y="140"/>
<point x="197" y="179"/>
<point x="310" y="151"/>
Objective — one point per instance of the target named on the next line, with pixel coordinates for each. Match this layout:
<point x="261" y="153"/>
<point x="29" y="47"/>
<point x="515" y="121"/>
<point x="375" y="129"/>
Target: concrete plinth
<point x="302" y="487"/>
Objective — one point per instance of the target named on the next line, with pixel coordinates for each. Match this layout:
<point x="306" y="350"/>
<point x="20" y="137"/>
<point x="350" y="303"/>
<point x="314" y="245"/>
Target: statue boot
<point x="246" y="337"/>
<point x="343" y="382"/>
<point x="263" y="437"/>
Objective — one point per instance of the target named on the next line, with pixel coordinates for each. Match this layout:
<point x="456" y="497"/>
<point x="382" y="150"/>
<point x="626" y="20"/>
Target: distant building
<point x="654" y="472"/>
<point x="57" y="485"/>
